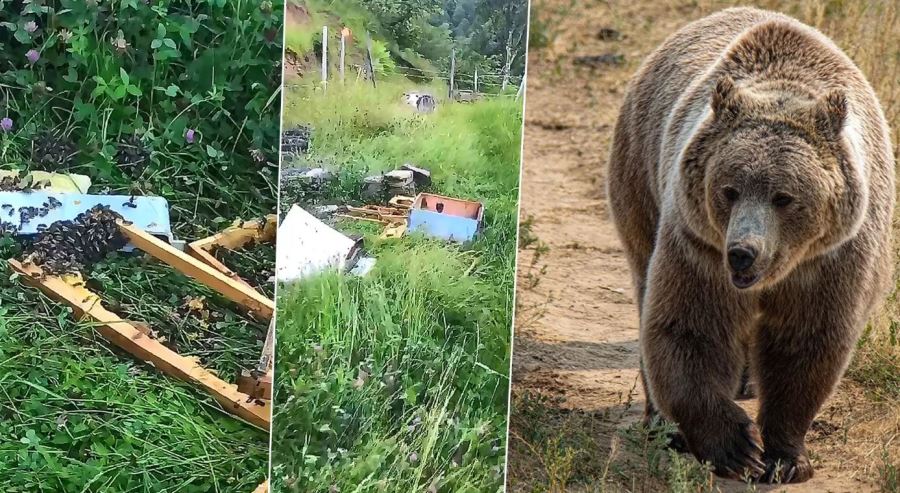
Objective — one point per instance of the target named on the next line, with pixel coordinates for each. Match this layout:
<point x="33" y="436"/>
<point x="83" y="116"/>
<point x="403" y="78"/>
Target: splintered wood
<point x="233" y="238"/>
<point x="394" y="217"/>
<point x="87" y="305"/>
<point x="238" y="292"/>
<point x="377" y="213"/>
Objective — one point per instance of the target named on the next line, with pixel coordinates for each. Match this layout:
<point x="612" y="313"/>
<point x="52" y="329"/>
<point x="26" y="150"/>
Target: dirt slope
<point x="577" y="325"/>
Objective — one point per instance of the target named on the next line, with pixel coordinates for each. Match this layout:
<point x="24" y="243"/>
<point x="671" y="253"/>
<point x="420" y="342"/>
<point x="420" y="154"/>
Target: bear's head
<point x="772" y="178"/>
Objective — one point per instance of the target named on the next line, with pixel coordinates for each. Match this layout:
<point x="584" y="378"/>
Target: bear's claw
<point x="787" y="470"/>
<point x="741" y="457"/>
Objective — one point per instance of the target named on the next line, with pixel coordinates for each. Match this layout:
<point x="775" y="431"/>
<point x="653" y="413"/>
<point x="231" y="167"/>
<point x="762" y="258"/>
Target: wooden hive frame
<point x="87" y="305"/>
<point x="233" y="238"/>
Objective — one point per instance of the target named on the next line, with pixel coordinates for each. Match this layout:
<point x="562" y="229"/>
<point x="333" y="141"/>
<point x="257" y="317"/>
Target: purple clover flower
<point x="190" y="136"/>
<point x="31" y="26"/>
<point x="6" y="124"/>
<point x="33" y="56"/>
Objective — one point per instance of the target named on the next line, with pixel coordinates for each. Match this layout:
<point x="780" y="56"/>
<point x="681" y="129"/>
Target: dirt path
<point x="577" y="325"/>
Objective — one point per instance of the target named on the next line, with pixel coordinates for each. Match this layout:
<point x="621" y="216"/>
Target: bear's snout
<point x="741" y="258"/>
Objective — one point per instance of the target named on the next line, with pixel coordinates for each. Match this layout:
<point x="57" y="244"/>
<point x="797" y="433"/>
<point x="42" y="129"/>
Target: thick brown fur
<point x="747" y="131"/>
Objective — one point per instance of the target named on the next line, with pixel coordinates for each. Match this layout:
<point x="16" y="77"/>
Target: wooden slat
<point x="237" y="236"/>
<point x="122" y="333"/>
<point x="207" y="258"/>
<point x="232" y="238"/>
<point x="191" y="267"/>
<point x="263" y="488"/>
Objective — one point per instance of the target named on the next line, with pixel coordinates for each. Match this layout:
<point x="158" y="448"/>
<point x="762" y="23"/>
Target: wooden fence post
<point x="343" y="47"/>
<point x="452" y="71"/>
<point x="507" y="64"/>
<point x="369" y="58"/>
<point x="325" y="56"/>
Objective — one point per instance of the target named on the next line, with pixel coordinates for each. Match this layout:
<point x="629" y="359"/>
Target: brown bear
<point x="751" y="181"/>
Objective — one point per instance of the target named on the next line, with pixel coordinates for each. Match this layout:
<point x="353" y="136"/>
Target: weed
<point x="888" y="474"/>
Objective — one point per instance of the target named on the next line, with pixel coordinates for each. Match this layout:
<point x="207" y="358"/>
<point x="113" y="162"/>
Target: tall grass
<point x="399" y="379"/>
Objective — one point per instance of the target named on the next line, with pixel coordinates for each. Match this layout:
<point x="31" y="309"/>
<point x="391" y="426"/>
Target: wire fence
<point x="461" y="85"/>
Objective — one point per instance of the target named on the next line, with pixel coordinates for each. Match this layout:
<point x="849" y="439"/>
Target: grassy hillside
<point x="400" y="378"/>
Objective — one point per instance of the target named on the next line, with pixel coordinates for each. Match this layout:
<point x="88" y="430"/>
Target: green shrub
<point x="80" y="77"/>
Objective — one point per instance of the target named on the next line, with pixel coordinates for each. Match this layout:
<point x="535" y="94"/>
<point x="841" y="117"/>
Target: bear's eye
<point x="730" y="194"/>
<point x="782" y="200"/>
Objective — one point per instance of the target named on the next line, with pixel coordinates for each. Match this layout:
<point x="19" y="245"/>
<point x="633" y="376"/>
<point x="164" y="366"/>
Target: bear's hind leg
<point x="635" y="217"/>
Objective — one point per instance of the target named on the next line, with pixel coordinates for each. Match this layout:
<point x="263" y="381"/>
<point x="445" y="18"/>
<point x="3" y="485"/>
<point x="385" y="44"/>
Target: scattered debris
<point x="421" y="176"/>
<point x="402" y="201"/>
<point x="446" y="217"/>
<point x="378" y="213"/>
<point x="304" y="183"/>
<point x="609" y="34"/>
<point x="397" y="182"/>
<point x="322" y="211"/>
<point x="600" y="61"/>
<point x="363" y="266"/>
<point x="395" y="230"/>
<point x="307" y="246"/>
<point x="295" y="142"/>
<point x="73" y="246"/>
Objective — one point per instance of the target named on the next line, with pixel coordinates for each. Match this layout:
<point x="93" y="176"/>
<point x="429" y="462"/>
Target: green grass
<point x="399" y="379"/>
<point x="76" y="414"/>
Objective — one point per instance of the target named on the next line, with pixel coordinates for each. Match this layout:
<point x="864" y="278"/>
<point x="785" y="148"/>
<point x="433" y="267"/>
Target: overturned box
<point x="445" y="217"/>
<point x="306" y="246"/>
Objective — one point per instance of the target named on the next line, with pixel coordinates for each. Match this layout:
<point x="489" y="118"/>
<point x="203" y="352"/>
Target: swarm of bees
<point x="26" y="214"/>
<point x="10" y="184"/>
<point x="73" y="246"/>
<point x="132" y="156"/>
<point x="52" y="150"/>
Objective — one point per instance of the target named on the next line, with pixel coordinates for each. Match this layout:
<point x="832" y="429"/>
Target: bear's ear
<point x="831" y="113"/>
<point x="725" y="99"/>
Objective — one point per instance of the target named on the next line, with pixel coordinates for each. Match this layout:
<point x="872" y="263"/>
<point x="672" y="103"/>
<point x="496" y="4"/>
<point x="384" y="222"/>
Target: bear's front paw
<point x="786" y="468"/>
<point x="736" y="453"/>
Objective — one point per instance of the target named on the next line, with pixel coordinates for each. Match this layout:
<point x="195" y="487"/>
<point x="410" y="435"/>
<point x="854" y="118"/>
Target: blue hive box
<point x="445" y="217"/>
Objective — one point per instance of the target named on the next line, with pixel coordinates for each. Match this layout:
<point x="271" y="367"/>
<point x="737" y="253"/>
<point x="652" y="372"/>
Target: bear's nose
<point x="741" y="258"/>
